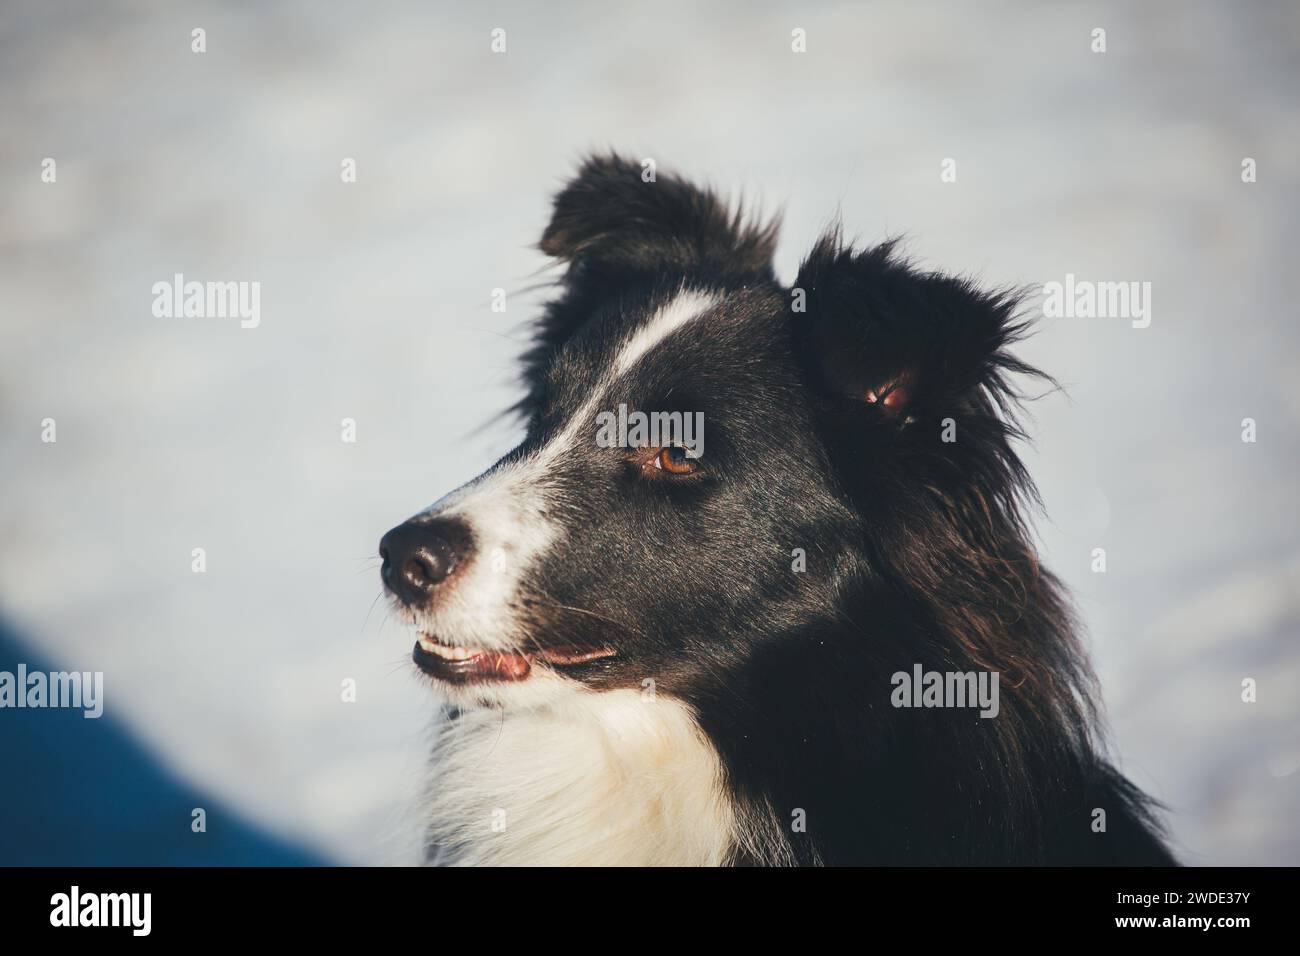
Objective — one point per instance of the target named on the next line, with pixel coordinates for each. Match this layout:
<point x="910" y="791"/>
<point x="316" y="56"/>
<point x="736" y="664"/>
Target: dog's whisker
<point x="579" y="610"/>
<point x="370" y="611"/>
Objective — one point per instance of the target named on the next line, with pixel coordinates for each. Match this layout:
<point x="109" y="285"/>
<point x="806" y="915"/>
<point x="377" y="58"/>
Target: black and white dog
<point x="660" y="653"/>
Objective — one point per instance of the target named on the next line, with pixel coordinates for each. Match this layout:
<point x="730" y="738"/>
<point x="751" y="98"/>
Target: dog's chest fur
<point x="596" y="779"/>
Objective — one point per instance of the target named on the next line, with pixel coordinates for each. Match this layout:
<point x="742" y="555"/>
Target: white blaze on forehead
<point x="686" y="306"/>
<point x="509" y="508"/>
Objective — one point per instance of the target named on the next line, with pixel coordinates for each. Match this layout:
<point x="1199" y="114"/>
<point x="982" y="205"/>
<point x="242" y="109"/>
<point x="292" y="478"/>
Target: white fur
<point x="509" y="514"/>
<point x="612" y="779"/>
<point x="688" y="305"/>
<point x="544" y="771"/>
<point x="505" y="509"/>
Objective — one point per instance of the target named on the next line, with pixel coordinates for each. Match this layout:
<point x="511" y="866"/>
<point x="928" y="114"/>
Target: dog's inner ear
<point x="879" y="333"/>
<point x="613" y="217"/>
<point x="886" y="390"/>
<point x="852" y="361"/>
<point x="892" y="395"/>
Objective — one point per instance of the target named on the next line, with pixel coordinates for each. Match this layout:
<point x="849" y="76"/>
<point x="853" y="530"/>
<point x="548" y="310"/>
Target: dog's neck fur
<point x="615" y="778"/>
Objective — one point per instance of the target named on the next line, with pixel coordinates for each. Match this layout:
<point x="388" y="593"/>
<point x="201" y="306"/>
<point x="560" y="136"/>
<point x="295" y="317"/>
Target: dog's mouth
<point x="463" y="665"/>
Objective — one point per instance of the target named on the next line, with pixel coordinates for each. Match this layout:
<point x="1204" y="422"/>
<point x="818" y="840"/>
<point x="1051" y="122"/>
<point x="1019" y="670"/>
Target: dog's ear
<point x="614" y="228"/>
<point x="911" y="377"/>
<point x="613" y="217"/>
<point x="899" y="344"/>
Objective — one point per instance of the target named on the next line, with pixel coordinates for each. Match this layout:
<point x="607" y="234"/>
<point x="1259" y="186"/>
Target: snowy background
<point x="175" y="434"/>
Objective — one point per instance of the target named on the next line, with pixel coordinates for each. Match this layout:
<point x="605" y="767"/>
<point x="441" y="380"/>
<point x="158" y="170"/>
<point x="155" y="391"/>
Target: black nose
<point x="420" y="555"/>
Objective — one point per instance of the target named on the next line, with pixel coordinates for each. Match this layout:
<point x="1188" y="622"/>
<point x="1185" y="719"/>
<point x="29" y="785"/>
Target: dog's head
<point x="711" y="457"/>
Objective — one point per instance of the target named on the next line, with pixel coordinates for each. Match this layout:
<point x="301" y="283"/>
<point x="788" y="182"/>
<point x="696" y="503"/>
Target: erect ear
<point x="900" y="342"/>
<point x="611" y="218"/>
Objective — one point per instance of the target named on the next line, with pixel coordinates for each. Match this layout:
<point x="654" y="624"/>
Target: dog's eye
<point x="674" y="460"/>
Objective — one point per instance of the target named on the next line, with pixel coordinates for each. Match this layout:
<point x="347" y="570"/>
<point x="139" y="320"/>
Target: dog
<point x="655" y="654"/>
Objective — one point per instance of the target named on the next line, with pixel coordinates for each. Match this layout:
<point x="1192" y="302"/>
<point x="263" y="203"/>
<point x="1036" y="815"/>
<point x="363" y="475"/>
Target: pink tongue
<point x="504" y="666"/>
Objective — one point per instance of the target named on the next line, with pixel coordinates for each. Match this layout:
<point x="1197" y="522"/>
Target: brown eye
<point x="674" y="460"/>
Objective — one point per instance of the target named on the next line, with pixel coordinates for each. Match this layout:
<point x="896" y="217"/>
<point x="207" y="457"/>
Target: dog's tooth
<point x="447" y="652"/>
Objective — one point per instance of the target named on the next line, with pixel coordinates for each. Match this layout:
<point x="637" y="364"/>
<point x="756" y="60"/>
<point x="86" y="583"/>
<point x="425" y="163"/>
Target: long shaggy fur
<point x="866" y="418"/>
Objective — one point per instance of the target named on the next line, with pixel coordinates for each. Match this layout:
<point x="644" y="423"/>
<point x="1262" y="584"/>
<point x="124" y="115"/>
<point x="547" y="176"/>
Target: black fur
<point x="824" y="433"/>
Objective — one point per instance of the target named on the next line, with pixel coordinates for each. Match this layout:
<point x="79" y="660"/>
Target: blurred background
<point x="223" y="689"/>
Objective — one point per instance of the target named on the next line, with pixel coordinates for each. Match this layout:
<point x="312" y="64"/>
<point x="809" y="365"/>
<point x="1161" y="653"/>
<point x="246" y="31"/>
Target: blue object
<point x="79" y="792"/>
